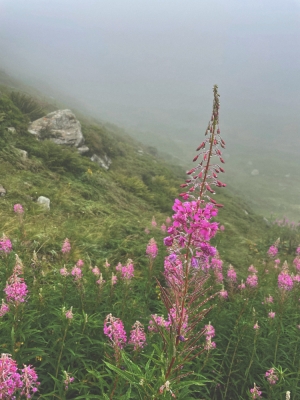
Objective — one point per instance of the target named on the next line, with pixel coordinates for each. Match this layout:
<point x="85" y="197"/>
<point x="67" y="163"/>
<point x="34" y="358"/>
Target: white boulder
<point x="44" y="201"/>
<point x="60" y="126"/>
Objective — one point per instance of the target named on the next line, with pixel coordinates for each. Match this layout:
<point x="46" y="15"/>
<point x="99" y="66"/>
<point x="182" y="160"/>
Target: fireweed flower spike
<point x="30" y="382"/>
<point x="152" y="249"/>
<point x="255" y="392"/>
<point x="231" y="274"/>
<point x="4" y="309"/>
<point x="68" y="379"/>
<point x="137" y="336"/>
<point x="114" y="330"/>
<point x="271" y="376"/>
<point x="16" y="289"/>
<point x="10" y="379"/>
<point x="18" y="209"/>
<point x="190" y="252"/>
<point x="273" y="250"/>
<point x="5" y="245"/>
<point x="66" y="247"/>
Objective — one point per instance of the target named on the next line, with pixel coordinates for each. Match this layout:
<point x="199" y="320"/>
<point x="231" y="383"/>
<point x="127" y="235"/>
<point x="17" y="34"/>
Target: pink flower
<point x="219" y="276"/>
<point x="168" y="222"/>
<point x="153" y="222"/>
<point x="100" y="281"/>
<point x="5" y="245"/>
<point x="242" y="285"/>
<point x="277" y="261"/>
<point x="128" y="270"/>
<point x="296" y="262"/>
<point x="69" y="314"/>
<point x="222" y="228"/>
<point x="4" y="309"/>
<point x="271" y="314"/>
<point x="156" y="321"/>
<point x="16" y="289"/>
<point x="252" y="280"/>
<point x="68" y="379"/>
<point x="298" y="250"/>
<point x="252" y="269"/>
<point x="29" y="378"/>
<point x="223" y="293"/>
<point x="114" y="330"/>
<point x="209" y="331"/>
<point x="114" y="279"/>
<point x="77" y="273"/>
<point x="269" y="299"/>
<point x="96" y="271"/>
<point x="152" y="249"/>
<point x="18" y="209"/>
<point x="273" y="250"/>
<point x="296" y="278"/>
<point x="256" y="326"/>
<point x="80" y="263"/>
<point x="10" y="379"/>
<point x="64" y="272"/>
<point x="285" y="281"/>
<point x="210" y="345"/>
<point x="271" y="376"/>
<point x="147" y="231"/>
<point x="66" y="247"/>
<point x="163" y="228"/>
<point x="231" y="274"/>
<point x="137" y="336"/>
<point x="255" y="392"/>
<point x="106" y="264"/>
<point x="119" y="267"/>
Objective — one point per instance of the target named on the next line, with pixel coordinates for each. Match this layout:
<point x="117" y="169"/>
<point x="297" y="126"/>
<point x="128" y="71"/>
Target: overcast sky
<point x="151" y="65"/>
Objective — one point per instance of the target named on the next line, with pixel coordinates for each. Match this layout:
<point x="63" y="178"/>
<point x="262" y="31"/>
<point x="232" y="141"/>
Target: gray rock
<point x="255" y="172"/>
<point x="44" y="201"/>
<point x="23" y="154"/>
<point x="83" y="149"/>
<point x="2" y="191"/>
<point x="60" y="126"/>
<point x="104" y="161"/>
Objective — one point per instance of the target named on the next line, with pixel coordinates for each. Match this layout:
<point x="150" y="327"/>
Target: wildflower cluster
<point x="271" y="376"/>
<point x="115" y="331"/>
<point x="137" y="336"/>
<point x="209" y="332"/>
<point x="68" y="379"/>
<point x="12" y="381"/>
<point x="152" y="249"/>
<point x="16" y="289"/>
<point x="127" y="271"/>
<point x="66" y="247"/>
<point x="5" y="245"/>
<point x="255" y="392"/>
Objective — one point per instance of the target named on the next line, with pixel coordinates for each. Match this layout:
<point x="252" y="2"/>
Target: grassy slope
<point x="103" y="213"/>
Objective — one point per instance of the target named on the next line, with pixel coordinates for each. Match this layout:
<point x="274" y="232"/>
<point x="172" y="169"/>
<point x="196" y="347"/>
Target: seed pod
<point x="221" y="169"/>
<point x="219" y="205"/>
<point x="190" y="171"/>
<point x="222" y="161"/>
<point x="196" y="157"/>
<point x="201" y="146"/>
<point x="183" y="185"/>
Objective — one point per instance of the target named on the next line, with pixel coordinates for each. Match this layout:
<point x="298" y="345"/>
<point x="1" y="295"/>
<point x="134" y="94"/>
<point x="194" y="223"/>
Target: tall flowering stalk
<point x="190" y="254"/>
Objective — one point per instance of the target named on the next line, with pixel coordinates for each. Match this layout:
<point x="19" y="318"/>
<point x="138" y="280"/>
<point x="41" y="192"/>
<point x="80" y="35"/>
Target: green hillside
<point x="103" y="212"/>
